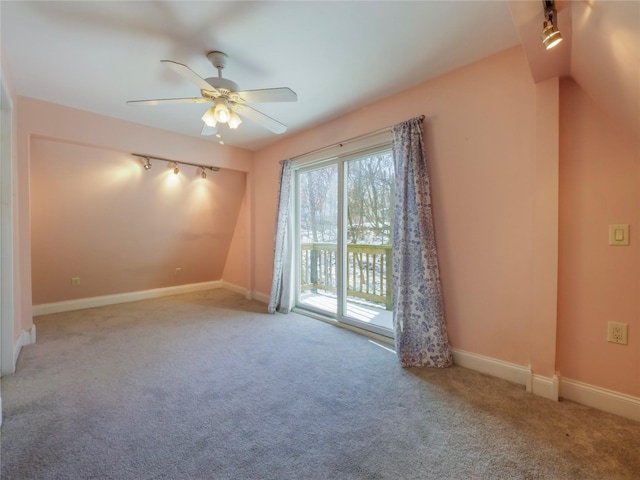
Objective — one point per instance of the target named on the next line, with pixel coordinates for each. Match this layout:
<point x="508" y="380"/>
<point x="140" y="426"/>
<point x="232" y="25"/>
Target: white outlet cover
<point x="617" y="333"/>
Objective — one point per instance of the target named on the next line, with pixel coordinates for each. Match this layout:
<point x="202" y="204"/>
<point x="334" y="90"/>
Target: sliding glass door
<point x="344" y="233"/>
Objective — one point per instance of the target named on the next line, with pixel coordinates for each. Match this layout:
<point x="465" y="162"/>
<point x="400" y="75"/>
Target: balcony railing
<point x="368" y="271"/>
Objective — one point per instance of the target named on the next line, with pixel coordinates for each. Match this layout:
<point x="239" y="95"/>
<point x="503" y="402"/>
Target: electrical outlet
<point x="75" y="281"/>
<point x="617" y="332"/>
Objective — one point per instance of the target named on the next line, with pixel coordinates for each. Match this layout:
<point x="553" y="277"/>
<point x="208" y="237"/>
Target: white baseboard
<point x="496" y="368"/>
<point x="607" y="400"/>
<point x="537" y="384"/>
<point x="237" y="289"/>
<point x="545" y="387"/>
<point x="26" y="337"/>
<point x="69" y="305"/>
<point x="552" y="388"/>
<point x="260" y="297"/>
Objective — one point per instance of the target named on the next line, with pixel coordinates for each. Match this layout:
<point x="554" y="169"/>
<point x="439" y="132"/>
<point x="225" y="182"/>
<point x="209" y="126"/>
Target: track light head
<point x="176" y="170"/>
<point x="203" y="174"/>
<point x="551" y="36"/>
<point x="147" y="165"/>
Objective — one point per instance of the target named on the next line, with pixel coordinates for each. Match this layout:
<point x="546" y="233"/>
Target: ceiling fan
<point x="229" y="104"/>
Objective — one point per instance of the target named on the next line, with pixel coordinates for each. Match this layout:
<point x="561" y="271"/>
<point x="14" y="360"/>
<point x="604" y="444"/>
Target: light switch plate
<point x="619" y="234"/>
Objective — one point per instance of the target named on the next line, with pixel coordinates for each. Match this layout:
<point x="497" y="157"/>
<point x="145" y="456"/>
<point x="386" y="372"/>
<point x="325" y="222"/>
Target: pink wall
<point x="237" y="268"/>
<point x="599" y="175"/>
<point x="98" y="215"/>
<point x="545" y="230"/>
<point x="76" y="136"/>
<point x="480" y="137"/>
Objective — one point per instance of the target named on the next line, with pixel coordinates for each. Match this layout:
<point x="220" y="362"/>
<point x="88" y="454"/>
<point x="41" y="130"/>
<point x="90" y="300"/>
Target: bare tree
<point x="370" y="199"/>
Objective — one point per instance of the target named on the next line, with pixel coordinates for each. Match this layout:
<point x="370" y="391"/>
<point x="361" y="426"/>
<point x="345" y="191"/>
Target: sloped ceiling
<point x="601" y="52"/>
<point x="336" y="55"/>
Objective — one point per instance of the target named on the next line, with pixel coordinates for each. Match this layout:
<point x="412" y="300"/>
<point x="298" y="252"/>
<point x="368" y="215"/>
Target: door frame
<point x="7" y="361"/>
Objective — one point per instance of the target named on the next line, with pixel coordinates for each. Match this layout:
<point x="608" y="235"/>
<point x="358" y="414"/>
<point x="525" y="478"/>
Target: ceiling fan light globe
<point x="209" y="118"/>
<point x="221" y="112"/>
<point x="222" y="116"/>
<point x="234" y="120"/>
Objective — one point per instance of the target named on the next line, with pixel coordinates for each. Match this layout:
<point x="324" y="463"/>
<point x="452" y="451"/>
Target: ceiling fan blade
<point x="260" y="118"/>
<point x="159" y="101"/>
<point x="283" y="94"/>
<point x="207" y="130"/>
<point x="189" y="74"/>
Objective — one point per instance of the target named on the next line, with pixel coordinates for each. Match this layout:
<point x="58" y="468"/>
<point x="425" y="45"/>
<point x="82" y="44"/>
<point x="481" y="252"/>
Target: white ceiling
<point x="336" y="55"/>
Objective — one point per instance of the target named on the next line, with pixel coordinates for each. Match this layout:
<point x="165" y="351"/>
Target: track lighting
<point x="175" y="163"/>
<point x="551" y="36"/>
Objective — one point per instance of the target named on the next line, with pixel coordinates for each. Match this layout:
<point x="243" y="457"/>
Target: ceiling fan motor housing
<point x="222" y="83"/>
<point x="219" y="60"/>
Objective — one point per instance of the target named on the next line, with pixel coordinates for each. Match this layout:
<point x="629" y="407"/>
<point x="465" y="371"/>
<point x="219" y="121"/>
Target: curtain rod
<point x="340" y="144"/>
<point x="179" y="162"/>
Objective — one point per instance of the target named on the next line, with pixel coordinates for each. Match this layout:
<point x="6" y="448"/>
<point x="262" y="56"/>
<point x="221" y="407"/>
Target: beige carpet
<point x="208" y="386"/>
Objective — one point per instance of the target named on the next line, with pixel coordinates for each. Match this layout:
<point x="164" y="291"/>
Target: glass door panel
<point x="318" y="239"/>
<point x="369" y="219"/>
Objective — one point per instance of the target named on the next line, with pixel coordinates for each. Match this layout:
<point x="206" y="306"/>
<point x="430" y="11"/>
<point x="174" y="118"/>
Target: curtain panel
<point x="280" y="297"/>
<point x="418" y="309"/>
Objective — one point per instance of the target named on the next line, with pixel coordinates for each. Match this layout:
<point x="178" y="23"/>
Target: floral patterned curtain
<point x="280" y="298"/>
<point x="418" y="310"/>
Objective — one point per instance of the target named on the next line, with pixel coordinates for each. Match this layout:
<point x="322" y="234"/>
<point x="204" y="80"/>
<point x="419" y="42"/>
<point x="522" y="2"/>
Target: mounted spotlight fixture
<point x="551" y="36"/>
<point x="175" y="164"/>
